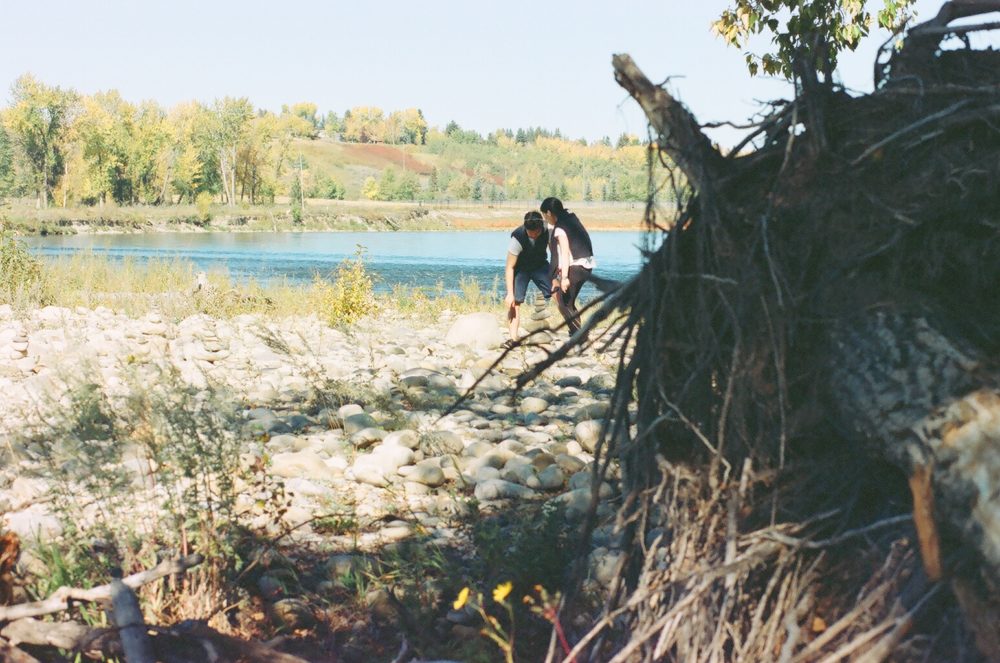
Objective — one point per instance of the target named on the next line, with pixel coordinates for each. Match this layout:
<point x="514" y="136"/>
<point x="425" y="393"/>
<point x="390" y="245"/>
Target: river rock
<point x="551" y="478"/>
<point x="306" y="464"/>
<point x="428" y="473"/>
<point x="533" y="405"/>
<point x="293" y="614"/>
<point x="498" y="489"/>
<point x="480" y="331"/>
<point x="366" y="437"/>
<point x="597" y="410"/>
<point x="441" y="442"/>
<point x="357" y="422"/>
<point x="587" y="434"/>
<point x="404" y="438"/>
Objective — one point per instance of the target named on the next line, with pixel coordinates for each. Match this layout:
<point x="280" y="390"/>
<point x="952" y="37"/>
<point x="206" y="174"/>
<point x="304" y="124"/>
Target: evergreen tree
<point x="563" y="191"/>
<point x="586" y="191"/>
<point x="477" y="188"/>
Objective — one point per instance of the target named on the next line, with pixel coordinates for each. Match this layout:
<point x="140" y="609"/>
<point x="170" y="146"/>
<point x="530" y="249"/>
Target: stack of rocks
<point x="538" y="324"/>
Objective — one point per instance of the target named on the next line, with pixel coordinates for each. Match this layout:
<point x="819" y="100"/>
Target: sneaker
<point x="509" y="344"/>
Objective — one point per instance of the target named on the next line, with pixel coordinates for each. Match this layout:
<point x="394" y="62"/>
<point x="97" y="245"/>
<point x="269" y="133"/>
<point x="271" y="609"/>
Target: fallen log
<point x="184" y="642"/>
<point x="840" y="288"/>
<point x="64" y="596"/>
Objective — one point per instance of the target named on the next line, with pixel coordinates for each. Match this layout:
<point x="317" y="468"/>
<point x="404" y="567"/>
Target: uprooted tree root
<point x="816" y="298"/>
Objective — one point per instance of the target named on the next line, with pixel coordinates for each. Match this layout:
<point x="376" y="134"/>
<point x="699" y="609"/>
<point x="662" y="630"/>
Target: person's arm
<point x="565" y="260"/>
<point x="508" y="277"/>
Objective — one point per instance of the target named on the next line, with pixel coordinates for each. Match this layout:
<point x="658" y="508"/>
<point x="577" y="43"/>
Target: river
<point x="422" y="259"/>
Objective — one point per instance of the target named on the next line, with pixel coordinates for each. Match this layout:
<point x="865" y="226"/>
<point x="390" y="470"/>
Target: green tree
<point x="6" y="164"/>
<point x="587" y="195"/>
<point x="387" y="185"/>
<point x="407" y="186"/>
<point x="477" y="188"/>
<point x="227" y="133"/>
<point x="36" y="121"/>
<point x="332" y="124"/>
<point x="811" y="31"/>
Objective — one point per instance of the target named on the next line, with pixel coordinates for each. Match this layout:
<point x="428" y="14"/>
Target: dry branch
<point x="64" y="596"/>
<point x="680" y="135"/>
<point x="131" y="627"/>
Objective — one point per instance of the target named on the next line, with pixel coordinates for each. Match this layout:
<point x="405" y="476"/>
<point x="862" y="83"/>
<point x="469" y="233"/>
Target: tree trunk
<point x="923" y="400"/>
<point x="890" y="314"/>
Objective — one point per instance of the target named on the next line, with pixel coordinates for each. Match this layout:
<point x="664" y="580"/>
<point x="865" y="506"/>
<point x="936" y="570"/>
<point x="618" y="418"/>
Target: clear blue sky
<point x="484" y="64"/>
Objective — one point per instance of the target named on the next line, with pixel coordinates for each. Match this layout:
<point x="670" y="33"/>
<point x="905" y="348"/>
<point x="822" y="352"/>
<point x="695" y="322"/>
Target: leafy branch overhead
<point x="816" y="31"/>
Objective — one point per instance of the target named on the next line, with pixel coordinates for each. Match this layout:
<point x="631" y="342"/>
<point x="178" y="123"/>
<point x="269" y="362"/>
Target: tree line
<point x="65" y="148"/>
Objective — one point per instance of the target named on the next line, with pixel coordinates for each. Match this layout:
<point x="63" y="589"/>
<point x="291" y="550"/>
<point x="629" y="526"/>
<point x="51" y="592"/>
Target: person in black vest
<point x="572" y="258"/>
<point x="527" y="260"/>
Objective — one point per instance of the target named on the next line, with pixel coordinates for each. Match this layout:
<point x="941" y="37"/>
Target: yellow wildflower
<point x="463" y="597"/>
<point x="502" y="590"/>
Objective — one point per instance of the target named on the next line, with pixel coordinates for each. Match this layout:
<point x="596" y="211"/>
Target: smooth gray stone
<point x="427" y="472"/>
<point x="601" y="382"/>
<point x="349" y="409"/>
<point x="442" y="442"/>
<point x="542" y="460"/>
<point x="587" y="433"/>
<point x="569" y="381"/>
<point x="569" y="464"/>
<point x="498" y="489"/>
<point x="366" y="437"/>
<point x="298" y="422"/>
<point x="356" y="422"/>
<point x="413" y="381"/>
<point x="597" y="410"/>
<point x="404" y="438"/>
<point x="551" y="478"/>
<point x="522" y="474"/>
<point x="478" y="449"/>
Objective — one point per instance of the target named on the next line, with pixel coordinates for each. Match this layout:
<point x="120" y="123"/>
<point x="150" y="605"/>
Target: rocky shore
<point x="392" y="452"/>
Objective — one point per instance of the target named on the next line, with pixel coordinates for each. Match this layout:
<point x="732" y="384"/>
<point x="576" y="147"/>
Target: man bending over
<point x="526" y="261"/>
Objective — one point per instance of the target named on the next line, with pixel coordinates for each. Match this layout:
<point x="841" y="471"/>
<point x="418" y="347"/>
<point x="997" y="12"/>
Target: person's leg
<point x="514" y="313"/>
<point x="567" y="302"/>
<point x="540" y="277"/>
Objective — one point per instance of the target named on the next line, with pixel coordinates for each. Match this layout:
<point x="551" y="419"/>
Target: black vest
<point x="532" y="255"/>
<point x="579" y="238"/>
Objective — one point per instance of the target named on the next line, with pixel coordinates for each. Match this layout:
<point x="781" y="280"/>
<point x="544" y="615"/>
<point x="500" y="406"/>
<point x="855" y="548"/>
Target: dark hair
<point x="533" y="221"/>
<point x="554" y="205"/>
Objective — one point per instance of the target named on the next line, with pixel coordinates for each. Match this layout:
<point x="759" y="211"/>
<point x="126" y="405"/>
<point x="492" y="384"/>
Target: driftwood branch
<point x="680" y="135"/>
<point x="131" y="626"/>
<point x="62" y="597"/>
<point x="10" y="654"/>
<point x="64" y="635"/>
<point x="163" y="640"/>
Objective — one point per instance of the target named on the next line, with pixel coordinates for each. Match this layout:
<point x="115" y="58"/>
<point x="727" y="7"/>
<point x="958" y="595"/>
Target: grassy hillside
<point x="445" y="169"/>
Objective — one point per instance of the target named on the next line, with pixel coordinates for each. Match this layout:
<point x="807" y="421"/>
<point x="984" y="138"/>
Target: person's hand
<point x="508" y="301"/>
<point x="564" y="284"/>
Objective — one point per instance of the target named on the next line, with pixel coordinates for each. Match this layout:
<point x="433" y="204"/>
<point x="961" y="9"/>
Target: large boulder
<point x="476" y="330"/>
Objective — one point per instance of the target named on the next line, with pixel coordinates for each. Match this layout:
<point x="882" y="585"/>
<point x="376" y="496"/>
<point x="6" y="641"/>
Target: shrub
<point x="203" y="202"/>
<point x="21" y="273"/>
<point x="155" y="472"/>
<point x="350" y="296"/>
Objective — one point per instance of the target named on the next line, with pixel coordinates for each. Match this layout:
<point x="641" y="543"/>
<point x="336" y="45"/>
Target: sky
<point x="484" y="64"/>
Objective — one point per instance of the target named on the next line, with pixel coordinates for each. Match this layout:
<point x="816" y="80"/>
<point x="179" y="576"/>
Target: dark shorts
<point x="541" y="279"/>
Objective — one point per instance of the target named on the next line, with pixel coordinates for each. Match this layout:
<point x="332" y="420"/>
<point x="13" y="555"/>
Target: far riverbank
<point x="318" y="215"/>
